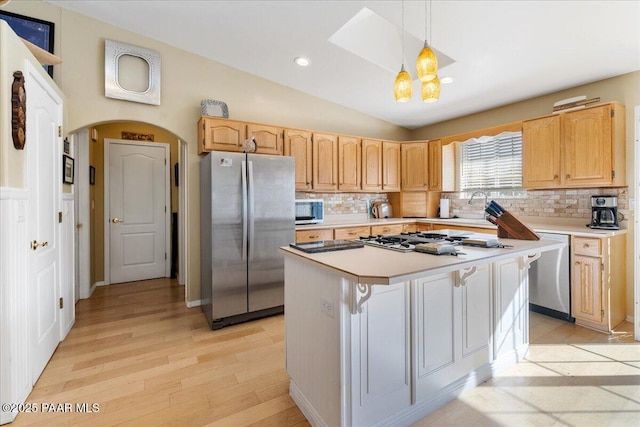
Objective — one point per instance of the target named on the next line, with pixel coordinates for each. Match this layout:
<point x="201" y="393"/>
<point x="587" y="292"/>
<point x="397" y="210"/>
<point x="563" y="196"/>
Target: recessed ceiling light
<point x="446" y="80"/>
<point x="302" y="61"/>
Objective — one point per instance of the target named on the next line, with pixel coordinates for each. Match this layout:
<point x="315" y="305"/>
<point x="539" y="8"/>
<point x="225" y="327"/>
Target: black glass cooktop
<point x="327" y="245"/>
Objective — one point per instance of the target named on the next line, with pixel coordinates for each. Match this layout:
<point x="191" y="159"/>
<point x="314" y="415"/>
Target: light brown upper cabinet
<point x="371" y="165"/>
<point x="268" y="138"/>
<point x="415" y="166"/>
<point x="297" y="143"/>
<point x="349" y="163"/>
<point x="583" y="148"/>
<point x="325" y="161"/>
<point x="390" y="166"/>
<point x="541" y="152"/>
<point x="434" y="170"/>
<point x="220" y="134"/>
<point x="593" y="146"/>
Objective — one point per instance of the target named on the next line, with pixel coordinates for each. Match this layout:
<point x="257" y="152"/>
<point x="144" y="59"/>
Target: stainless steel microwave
<point x="309" y="211"/>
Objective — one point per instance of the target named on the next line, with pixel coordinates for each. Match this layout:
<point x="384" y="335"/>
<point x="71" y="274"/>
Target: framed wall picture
<point x="33" y="30"/>
<point x="66" y="146"/>
<point x="67" y="169"/>
<point x="92" y="175"/>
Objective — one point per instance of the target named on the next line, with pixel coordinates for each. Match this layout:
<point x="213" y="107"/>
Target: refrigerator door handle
<point x="244" y="210"/>
<point x="251" y="210"/>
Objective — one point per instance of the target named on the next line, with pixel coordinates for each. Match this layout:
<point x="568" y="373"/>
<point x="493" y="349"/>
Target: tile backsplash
<point x="566" y="203"/>
<point x="344" y="203"/>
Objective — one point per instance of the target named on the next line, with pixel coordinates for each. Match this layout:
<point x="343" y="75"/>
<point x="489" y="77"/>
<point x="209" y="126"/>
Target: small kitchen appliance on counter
<point x="382" y="210"/>
<point x="309" y="211"/>
<point x="604" y="212"/>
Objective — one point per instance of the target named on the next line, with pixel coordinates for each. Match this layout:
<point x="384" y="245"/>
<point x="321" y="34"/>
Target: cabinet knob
<point x="555" y="176"/>
<point x="568" y="176"/>
<point x="586" y="245"/>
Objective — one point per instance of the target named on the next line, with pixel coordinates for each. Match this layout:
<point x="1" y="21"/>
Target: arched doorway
<point x="91" y="196"/>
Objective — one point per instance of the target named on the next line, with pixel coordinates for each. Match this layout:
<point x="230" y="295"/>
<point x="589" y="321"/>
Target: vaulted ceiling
<point x="500" y="51"/>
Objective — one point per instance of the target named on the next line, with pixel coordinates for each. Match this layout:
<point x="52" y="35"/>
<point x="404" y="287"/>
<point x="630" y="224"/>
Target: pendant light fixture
<point x="403" y="86"/>
<point x="431" y="90"/>
<point x="427" y="62"/>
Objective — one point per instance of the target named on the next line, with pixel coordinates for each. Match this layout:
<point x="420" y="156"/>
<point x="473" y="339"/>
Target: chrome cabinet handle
<point x="35" y="244"/>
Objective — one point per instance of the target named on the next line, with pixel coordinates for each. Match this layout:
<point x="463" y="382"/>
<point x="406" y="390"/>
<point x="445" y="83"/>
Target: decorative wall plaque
<point x="114" y="87"/>
<point x="18" y="111"/>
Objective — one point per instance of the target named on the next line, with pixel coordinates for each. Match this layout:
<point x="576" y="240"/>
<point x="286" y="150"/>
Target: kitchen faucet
<point x="486" y="201"/>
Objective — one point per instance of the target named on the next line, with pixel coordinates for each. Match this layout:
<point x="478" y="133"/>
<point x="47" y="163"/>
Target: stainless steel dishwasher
<point x="549" y="281"/>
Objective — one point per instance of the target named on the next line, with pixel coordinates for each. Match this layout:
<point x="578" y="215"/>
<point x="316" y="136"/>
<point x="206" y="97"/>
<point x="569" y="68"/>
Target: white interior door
<point x="43" y="179"/>
<point x="138" y="210"/>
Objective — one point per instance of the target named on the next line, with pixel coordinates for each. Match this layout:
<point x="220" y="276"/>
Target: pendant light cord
<point x="402" y="61"/>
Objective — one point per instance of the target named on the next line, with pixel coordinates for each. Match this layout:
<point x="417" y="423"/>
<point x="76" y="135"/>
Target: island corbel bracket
<point x="532" y="258"/>
<point x="464" y="274"/>
<point x="356" y="300"/>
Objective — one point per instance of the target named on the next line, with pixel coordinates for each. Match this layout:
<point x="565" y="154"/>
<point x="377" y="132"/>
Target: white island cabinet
<point x="377" y="337"/>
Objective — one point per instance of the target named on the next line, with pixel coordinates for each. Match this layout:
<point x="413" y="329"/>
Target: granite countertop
<point x="572" y="226"/>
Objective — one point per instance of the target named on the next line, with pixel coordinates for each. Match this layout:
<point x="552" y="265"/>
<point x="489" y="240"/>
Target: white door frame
<point x="182" y="213"/>
<point x="636" y="244"/>
<point x="80" y="142"/>
<point x="167" y="215"/>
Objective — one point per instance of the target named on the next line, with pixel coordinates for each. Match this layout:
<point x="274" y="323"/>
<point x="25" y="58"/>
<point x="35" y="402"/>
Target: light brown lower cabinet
<point x="386" y="229"/>
<point x="314" y="235"/>
<point x="350" y="233"/>
<point x="598" y="282"/>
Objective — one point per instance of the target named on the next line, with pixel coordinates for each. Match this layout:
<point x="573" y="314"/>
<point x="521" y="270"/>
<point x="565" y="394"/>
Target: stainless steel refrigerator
<point x="246" y="213"/>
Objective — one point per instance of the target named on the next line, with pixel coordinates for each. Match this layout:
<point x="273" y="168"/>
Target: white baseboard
<point x="196" y="303"/>
<point x="305" y="406"/>
<point x="630" y="319"/>
<point x="97" y="284"/>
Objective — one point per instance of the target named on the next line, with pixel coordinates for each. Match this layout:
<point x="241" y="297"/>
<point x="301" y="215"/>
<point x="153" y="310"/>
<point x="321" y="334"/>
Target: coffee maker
<point x="604" y="212"/>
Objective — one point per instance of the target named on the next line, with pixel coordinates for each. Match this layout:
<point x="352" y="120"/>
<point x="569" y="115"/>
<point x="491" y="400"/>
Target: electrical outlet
<point x="327" y="308"/>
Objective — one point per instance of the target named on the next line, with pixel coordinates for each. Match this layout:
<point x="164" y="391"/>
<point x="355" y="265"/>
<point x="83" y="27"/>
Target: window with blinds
<point x="491" y="163"/>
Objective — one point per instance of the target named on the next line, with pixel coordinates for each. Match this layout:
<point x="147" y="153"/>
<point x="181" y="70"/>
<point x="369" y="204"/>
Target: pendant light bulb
<point x="427" y="64"/>
<point x="431" y="90"/>
<point x="403" y="86"/>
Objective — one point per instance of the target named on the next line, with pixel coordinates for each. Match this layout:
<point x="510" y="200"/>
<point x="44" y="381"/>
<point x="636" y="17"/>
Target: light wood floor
<point x="147" y="360"/>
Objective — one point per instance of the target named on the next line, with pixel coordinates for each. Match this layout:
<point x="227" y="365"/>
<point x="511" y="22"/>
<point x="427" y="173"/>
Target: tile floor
<point x="572" y="376"/>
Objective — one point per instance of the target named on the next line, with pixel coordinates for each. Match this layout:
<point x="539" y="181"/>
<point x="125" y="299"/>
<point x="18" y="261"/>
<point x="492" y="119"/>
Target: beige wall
<point x="186" y="80"/>
<point x="624" y="88"/>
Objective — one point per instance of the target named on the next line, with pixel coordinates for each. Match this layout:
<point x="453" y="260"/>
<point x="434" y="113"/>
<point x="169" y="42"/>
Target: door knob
<point x="117" y="220"/>
<point x="79" y="225"/>
<point x="35" y="244"/>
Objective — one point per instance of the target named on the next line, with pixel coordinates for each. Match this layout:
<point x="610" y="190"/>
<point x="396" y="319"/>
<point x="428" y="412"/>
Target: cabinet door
<point x="586" y="289"/>
<point x="511" y="309"/>
<point x="380" y="350"/>
<point x="220" y="134"/>
<point x="437" y="333"/>
<point x="297" y="143"/>
<point x="390" y="166"/>
<point x="349" y="163"/>
<point x="415" y="164"/>
<point x="434" y="170"/>
<point x="371" y="165"/>
<point x="351" y="233"/>
<point x="317" y="235"/>
<point x="541" y="152"/>
<point x="588" y="147"/>
<point x="268" y="138"/>
<point x="386" y="229"/>
<point x="325" y="162"/>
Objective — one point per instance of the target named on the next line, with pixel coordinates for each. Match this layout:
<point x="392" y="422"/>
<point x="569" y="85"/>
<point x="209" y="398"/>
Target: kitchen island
<point x="377" y="337"/>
